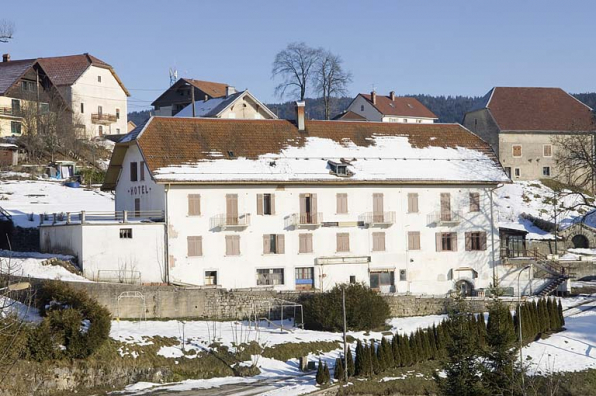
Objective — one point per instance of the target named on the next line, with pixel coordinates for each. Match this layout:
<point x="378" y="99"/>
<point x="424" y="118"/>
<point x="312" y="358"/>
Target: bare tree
<point x="6" y="30"/>
<point x="330" y="79"/>
<point x="576" y="159"/>
<point x="295" y="65"/>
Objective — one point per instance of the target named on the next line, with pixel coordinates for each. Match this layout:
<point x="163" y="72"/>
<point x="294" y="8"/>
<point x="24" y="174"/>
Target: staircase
<point x="558" y="276"/>
<point x="5" y="214"/>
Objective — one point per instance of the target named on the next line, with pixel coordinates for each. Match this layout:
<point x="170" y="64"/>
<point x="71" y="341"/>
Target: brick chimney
<point x="373" y="97"/>
<point x="392" y="95"/>
<point x="5" y="57"/>
<point x="300" y="115"/>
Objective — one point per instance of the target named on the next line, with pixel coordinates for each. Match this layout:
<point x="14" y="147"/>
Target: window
<point x="194" y="246"/>
<point x="413" y="240"/>
<point x="341" y="203"/>
<point x="475" y="241"/>
<point x="15" y="107"/>
<point x="142" y="168"/>
<point x="270" y="276"/>
<point x="547" y="150"/>
<point x="508" y="171"/>
<point x="445" y="207"/>
<point x="44" y="108"/>
<point x="352" y="279"/>
<point x="117" y="131"/>
<point x="15" y="127"/>
<point x="232" y="209"/>
<point x="446" y="241"/>
<point x="517" y="172"/>
<point x="381" y="278"/>
<point x="232" y="245"/>
<point x="403" y="275"/>
<point x="98" y="79"/>
<point x="361" y="107"/>
<point x="546" y="171"/>
<point x="99" y="110"/>
<point x="474" y="202"/>
<point x="304" y="278"/>
<point x="28" y="86"/>
<point x="517" y="150"/>
<point x="210" y="278"/>
<point x="378" y="241"/>
<point x="117" y="114"/>
<point x="133" y="171"/>
<point x="343" y="242"/>
<point x="273" y="244"/>
<point x="265" y="204"/>
<point x="412" y="203"/>
<point x="304" y="243"/>
<point x="137" y="207"/>
<point x="82" y="108"/>
<point x="194" y="204"/>
<point x="126" y="233"/>
<point x="308" y="209"/>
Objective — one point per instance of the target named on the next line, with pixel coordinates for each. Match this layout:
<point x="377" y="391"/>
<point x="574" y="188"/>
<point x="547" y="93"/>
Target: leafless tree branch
<point x="7" y="30"/>
<point x="294" y="65"/>
<point x="330" y="79"/>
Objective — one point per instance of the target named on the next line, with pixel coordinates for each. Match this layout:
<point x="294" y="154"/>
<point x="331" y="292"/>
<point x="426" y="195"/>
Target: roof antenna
<point x="173" y="76"/>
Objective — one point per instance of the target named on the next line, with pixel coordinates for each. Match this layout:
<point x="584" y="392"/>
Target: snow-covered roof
<point x="215" y="106"/>
<point x="204" y="150"/>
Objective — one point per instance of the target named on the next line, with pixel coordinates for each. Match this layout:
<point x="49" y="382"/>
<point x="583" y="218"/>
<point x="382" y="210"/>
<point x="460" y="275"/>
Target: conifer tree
<point x="320" y="377"/>
<point x="561" y="317"/>
<point x="326" y="374"/>
<point x="397" y="354"/>
<point x="426" y="345"/>
<point x="338" y="370"/>
<point x="351" y="366"/>
<point x="405" y="351"/>
<point x="359" y="369"/>
<point x="368" y="348"/>
<point x="481" y="330"/>
<point x="553" y="315"/>
<point x="376" y="367"/>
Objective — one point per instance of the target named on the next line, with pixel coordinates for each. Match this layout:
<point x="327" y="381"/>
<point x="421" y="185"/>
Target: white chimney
<point x="300" y="107"/>
<point x="230" y="90"/>
<point x="392" y="95"/>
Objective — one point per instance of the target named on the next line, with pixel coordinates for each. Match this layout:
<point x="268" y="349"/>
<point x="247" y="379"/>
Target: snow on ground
<point x="23" y="197"/>
<point x="9" y="306"/>
<point x="31" y="264"/>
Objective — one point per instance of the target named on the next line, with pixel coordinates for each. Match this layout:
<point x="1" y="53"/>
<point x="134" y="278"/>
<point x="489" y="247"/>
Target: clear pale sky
<point x="454" y="47"/>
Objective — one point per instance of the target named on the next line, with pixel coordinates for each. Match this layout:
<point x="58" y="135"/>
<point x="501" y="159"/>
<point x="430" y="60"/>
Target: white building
<point x="389" y="108"/>
<point x="240" y="105"/>
<point x="268" y="203"/>
<point x="93" y="91"/>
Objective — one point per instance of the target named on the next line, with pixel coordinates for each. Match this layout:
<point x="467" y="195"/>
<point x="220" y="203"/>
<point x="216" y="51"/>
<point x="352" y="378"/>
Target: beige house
<point x="240" y="105"/>
<point x="520" y="124"/>
<point x="389" y="108"/>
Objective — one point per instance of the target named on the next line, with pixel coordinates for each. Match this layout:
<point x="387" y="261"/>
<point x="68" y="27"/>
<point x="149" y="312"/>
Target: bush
<point x="74" y="325"/>
<point x="365" y="309"/>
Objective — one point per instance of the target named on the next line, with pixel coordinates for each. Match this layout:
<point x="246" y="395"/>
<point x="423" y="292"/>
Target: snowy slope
<point x="31" y="264"/>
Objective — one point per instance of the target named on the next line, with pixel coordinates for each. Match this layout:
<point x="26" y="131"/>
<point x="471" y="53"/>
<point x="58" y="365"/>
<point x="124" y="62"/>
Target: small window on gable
<point x="517" y="172"/>
<point x="98" y="79"/>
<point x="117" y="114"/>
<point x="361" y="107"/>
<point x="82" y="108"/>
<point x="517" y="150"/>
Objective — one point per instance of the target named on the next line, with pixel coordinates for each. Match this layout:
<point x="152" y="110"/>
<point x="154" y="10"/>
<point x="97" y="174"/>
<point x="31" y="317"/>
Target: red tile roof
<point x="400" y="106"/>
<point x="213" y="89"/>
<point x="349" y="116"/>
<point x="538" y="109"/>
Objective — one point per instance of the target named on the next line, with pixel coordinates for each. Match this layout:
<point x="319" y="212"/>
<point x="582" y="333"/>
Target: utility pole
<point x="192" y="98"/>
<point x="343" y="301"/>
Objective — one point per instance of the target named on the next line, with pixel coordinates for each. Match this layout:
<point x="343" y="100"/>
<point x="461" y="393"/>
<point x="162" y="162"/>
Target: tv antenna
<point x="173" y="76"/>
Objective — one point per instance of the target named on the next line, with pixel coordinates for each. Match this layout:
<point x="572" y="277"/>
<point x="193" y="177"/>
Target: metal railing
<point x="9" y="111"/>
<point x="118" y="217"/>
<point x="306" y="219"/>
<point x="224" y="221"/>
<point x="442" y="218"/>
<point x="130" y="277"/>
<point x="377" y="218"/>
<point x="103" y="118"/>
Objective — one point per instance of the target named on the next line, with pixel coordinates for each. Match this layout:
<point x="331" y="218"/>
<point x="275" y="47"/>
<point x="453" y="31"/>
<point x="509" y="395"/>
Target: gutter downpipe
<point x="167" y="239"/>
<point x="492" y="233"/>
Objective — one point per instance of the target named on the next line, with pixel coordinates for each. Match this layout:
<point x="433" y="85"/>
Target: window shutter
<point x="438" y="241"/>
<point x="483" y="240"/>
<point x="266" y="244"/>
<point x="229" y="245"/>
<point x="413" y="203"/>
<point x="313" y="205"/>
<point x="281" y="241"/>
<point x="272" y="204"/>
<point x="454" y="241"/>
<point x="236" y="244"/>
<point x="414" y="240"/>
<point x="194" y="204"/>
<point x="232" y="208"/>
<point x="301" y="243"/>
<point x="548" y="150"/>
<point x="142" y="167"/>
<point x="378" y="203"/>
<point x="194" y="246"/>
<point x="259" y="204"/>
<point x="468" y="241"/>
<point x="343" y="242"/>
<point x="342" y="203"/>
<point x="445" y="206"/>
<point x="378" y="241"/>
<point x="302" y="205"/>
<point x="309" y="243"/>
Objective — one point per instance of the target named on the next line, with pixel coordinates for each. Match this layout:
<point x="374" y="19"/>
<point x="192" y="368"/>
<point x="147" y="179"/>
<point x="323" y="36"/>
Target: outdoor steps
<point x="552" y="286"/>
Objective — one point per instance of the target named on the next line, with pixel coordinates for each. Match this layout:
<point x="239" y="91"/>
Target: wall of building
<point x="532" y="160"/>
<point x="246" y="108"/>
<point x="482" y="124"/>
<point x="108" y="94"/>
<point x="64" y="239"/>
<point x="369" y="112"/>
<point x="408" y="120"/>
<point x="426" y="269"/>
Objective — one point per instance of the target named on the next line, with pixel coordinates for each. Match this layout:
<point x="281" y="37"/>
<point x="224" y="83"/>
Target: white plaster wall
<point x="370" y="113"/>
<point x="246" y="108"/>
<point x="532" y="159"/>
<point x="408" y="120"/>
<point x="151" y="194"/>
<point x="107" y="93"/>
<point x="428" y="271"/>
<point x="65" y="239"/>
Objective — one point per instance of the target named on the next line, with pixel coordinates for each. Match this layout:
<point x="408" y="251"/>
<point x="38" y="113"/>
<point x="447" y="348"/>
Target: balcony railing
<point x="440" y="218"/>
<point x="103" y="118"/>
<point x="378" y="219"/>
<point x="84" y="217"/>
<point x="224" y="221"/>
<point x="305" y="220"/>
<point x="9" y="111"/>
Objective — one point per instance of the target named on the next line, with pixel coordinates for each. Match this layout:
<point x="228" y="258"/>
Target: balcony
<point x="103" y="118"/>
<point x="10" y="112"/>
<point x="305" y="220"/>
<point x="225" y="222"/>
<point x="446" y="219"/>
<point x="377" y="219"/>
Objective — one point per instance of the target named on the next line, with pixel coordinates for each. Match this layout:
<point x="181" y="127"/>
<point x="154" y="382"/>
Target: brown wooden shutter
<point x="301" y="243"/>
<point x="378" y="241"/>
<point x="483" y="240"/>
<point x="266" y="244"/>
<point x="378" y="207"/>
<point x="302" y="205"/>
<point x="468" y="241"/>
<point x="342" y="203"/>
<point x="194" y="204"/>
<point x="414" y="240"/>
<point x="272" y="204"/>
<point x="229" y="245"/>
<point x="194" y="246"/>
<point x="236" y="244"/>
<point x="232" y="209"/>
<point x="445" y="207"/>
<point x="281" y="242"/>
<point x="309" y="243"/>
<point x="474" y="202"/>
<point x="142" y="168"/>
<point x="454" y="241"/>
<point x="314" y="208"/>
<point x="412" y="203"/>
<point x="517" y="151"/>
<point x="548" y="150"/>
<point x="343" y="242"/>
<point x="259" y="204"/>
<point x="439" y="241"/>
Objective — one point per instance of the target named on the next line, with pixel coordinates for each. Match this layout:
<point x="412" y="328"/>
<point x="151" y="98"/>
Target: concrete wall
<point x="482" y="124"/>
<point x="64" y="239"/>
<point x="532" y="159"/>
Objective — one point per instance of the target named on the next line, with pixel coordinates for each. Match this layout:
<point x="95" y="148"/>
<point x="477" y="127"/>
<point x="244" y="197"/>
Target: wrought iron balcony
<point x="441" y="218"/>
<point x="226" y="222"/>
<point x="377" y="219"/>
<point x="103" y="118"/>
<point x="305" y="220"/>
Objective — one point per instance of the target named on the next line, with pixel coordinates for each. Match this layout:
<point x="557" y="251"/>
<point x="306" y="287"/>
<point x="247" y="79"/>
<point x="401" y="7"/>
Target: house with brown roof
<point x="180" y="95"/>
<point x="391" y="108"/>
<point x="276" y="204"/>
<point x="521" y="122"/>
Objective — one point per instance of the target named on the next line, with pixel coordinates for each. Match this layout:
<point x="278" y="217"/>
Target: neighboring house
<point x="240" y="105"/>
<point x="349" y="116"/>
<point x="179" y="95"/>
<point x="130" y="126"/>
<point x="283" y="205"/>
<point x="520" y="123"/>
<point x="390" y="108"/>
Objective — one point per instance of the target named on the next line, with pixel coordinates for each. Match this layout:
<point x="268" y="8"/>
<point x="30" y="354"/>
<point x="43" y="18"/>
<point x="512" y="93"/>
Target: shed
<point x="9" y="154"/>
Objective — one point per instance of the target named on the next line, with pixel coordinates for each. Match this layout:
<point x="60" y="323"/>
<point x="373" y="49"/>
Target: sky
<point x="435" y="47"/>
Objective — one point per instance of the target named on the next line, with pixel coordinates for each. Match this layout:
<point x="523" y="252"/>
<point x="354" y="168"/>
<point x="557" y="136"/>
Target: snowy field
<point x="35" y="265"/>
<point x="23" y="197"/>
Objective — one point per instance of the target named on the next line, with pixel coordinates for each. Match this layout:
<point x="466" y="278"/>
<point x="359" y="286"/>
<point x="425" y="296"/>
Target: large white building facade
<point x="268" y="203"/>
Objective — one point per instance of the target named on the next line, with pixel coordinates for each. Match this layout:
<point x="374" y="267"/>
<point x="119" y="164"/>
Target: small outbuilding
<point x="9" y="154"/>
